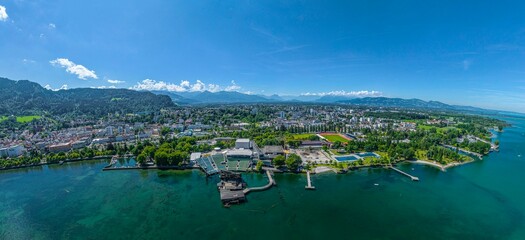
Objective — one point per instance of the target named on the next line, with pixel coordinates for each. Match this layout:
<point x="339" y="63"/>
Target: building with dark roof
<point x="270" y="152"/>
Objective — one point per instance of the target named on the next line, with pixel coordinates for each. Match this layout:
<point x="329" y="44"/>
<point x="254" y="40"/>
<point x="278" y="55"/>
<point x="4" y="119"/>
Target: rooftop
<point x="273" y="149"/>
<point x="239" y="152"/>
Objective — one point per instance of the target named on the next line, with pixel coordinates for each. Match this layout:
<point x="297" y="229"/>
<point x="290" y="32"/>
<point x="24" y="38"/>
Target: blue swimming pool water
<point x="346" y="158"/>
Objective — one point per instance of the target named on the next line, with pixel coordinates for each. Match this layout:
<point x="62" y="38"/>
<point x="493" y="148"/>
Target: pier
<point x="309" y="186"/>
<point x="404" y="173"/>
<point x="271" y="182"/>
<point x="113" y="161"/>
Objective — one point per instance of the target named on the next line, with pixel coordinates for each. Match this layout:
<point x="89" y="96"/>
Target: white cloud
<point x="52" y="26"/>
<point x="3" y="14"/>
<point x="48" y="87"/>
<point x="363" y="93"/>
<point x="198" y="87"/>
<point x="77" y="69"/>
<point x="149" y="84"/>
<point x="233" y="87"/>
<point x="185" y="83"/>
<point x="105" y="87"/>
<point x="213" y="88"/>
<point x="26" y="61"/>
<point x="184" y="86"/>
<point x="115" y="81"/>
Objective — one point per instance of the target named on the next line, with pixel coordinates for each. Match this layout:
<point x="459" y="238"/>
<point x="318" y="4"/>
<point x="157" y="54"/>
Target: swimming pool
<point x="346" y="158"/>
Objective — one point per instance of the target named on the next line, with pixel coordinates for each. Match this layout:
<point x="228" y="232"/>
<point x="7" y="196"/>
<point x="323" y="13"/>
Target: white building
<point x="13" y="151"/>
<point x="240" y="153"/>
<point x="194" y="156"/>
<point x="243" y="143"/>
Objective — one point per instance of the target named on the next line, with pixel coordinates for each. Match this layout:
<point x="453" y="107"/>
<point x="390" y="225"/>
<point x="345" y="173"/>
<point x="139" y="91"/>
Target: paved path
<point x="271" y="182"/>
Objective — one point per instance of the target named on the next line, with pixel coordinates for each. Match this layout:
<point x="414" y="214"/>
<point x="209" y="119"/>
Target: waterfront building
<point x="13" y="151"/>
<point x="61" y="147"/>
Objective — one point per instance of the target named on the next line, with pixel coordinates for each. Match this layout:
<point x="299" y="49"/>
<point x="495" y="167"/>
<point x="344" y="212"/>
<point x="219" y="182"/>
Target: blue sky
<point x="458" y="52"/>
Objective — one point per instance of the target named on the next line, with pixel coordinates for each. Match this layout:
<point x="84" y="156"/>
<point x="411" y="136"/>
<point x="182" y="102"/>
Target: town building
<point x="243" y="143"/>
<point x="270" y="152"/>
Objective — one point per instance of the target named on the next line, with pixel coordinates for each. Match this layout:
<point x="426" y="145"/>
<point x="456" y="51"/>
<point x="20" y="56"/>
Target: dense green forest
<point x="27" y="98"/>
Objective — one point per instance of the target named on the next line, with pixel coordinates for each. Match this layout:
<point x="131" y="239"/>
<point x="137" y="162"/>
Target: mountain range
<point x="188" y="98"/>
<point x="26" y="96"/>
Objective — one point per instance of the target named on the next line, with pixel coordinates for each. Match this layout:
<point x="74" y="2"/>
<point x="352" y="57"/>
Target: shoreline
<point x="65" y="161"/>
<point x="438" y="165"/>
<point x="324" y="168"/>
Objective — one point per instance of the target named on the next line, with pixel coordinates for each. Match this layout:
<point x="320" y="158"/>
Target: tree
<point x="325" y="148"/>
<point x="161" y="158"/>
<point x="164" y="131"/>
<point x="110" y="147"/>
<point x="279" y="161"/>
<point x="293" y="162"/>
<point x="141" y="158"/>
<point x="337" y="144"/>
<point x="149" y="151"/>
<point x="259" y="166"/>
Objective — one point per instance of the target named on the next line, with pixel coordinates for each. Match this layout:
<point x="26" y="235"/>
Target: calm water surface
<point x="481" y="200"/>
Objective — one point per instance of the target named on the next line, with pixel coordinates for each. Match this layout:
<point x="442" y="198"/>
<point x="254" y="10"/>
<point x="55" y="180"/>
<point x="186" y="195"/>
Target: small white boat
<point x="376" y="184"/>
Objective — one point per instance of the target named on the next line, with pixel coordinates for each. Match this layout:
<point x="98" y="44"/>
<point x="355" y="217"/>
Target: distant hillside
<point x="176" y="97"/>
<point x="19" y="97"/>
<point x="222" y="97"/>
<point x="332" y="99"/>
<point x="409" y="103"/>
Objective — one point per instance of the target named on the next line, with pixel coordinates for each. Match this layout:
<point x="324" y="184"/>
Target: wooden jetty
<point x="309" y="186"/>
<point x="404" y="173"/>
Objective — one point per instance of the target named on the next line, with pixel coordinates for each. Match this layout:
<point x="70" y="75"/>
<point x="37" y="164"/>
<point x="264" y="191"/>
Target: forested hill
<point x="411" y="104"/>
<point x="23" y="97"/>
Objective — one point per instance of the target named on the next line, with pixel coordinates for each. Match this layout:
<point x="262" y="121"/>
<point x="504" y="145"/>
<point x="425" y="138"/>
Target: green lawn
<point x="334" y="151"/>
<point x="438" y="129"/>
<point x="3" y="118"/>
<point x="334" y="138"/>
<point x="303" y="136"/>
<point x="26" y="119"/>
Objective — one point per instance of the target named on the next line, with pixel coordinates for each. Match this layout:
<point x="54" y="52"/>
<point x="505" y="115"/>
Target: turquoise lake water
<point x="481" y="200"/>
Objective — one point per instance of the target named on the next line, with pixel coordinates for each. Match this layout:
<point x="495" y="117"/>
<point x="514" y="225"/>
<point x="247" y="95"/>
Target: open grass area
<point x="25" y="119"/>
<point x="336" y="152"/>
<point x="335" y="137"/>
<point x="303" y="136"/>
<point x="438" y="129"/>
<point x="21" y="119"/>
